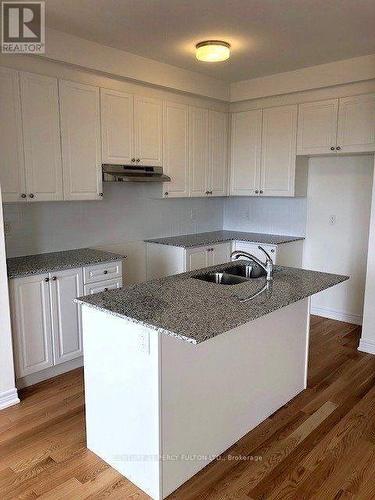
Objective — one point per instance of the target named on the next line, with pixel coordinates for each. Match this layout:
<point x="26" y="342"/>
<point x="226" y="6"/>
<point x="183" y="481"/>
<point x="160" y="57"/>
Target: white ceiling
<point x="267" y="36"/>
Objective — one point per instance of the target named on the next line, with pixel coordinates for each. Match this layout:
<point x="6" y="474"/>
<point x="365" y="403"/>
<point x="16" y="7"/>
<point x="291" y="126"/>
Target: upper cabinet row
<point x="189" y="142"/>
<point x="49" y="139"/>
<point x="269" y="147"/>
<point x="345" y="125"/>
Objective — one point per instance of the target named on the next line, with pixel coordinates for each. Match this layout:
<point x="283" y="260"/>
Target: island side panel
<point x="121" y="372"/>
<point x="215" y="392"/>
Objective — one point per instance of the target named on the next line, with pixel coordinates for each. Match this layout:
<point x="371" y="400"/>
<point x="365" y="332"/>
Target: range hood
<point x="133" y="173"/>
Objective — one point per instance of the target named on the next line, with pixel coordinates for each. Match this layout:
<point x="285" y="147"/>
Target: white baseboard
<point x="8" y="398"/>
<point x="325" y="312"/>
<point x="53" y="371"/>
<point x="366" y="346"/>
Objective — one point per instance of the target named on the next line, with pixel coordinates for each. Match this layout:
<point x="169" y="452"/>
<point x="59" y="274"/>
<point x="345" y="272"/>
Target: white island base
<point x="159" y="409"/>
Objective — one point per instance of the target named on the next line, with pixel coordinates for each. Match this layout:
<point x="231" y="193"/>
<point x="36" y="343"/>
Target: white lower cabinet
<point x="46" y="322"/>
<point x="286" y="254"/>
<point x="66" y="315"/>
<point x="165" y="260"/>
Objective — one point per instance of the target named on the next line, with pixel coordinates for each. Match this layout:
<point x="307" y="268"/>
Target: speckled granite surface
<point x="195" y="310"/>
<point x="57" y="261"/>
<point x="195" y="240"/>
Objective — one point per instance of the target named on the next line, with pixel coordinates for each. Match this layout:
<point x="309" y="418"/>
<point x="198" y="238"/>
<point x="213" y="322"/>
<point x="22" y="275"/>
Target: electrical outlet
<point x="332" y="220"/>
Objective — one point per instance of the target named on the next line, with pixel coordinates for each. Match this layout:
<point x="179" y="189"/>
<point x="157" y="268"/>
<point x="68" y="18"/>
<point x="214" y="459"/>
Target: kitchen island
<point x="178" y="369"/>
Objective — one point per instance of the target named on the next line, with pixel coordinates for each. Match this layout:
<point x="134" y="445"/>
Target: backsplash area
<point x="128" y="212"/>
<point x="266" y="215"/>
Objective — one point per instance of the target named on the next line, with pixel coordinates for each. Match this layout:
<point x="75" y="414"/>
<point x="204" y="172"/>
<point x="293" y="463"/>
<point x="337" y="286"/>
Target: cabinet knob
<point x="46" y="280"/>
<point x="207" y="192"/>
<point x="54" y="278"/>
<point x="31" y="195"/>
<point x="138" y="160"/>
<point x="261" y="192"/>
<point x="166" y="193"/>
<point x="338" y="148"/>
<point x="332" y="148"/>
<point x="133" y="160"/>
<point x="272" y="250"/>
<point x="105" y="271"/>
<point x="101" y="195"/>
<point x="106" y="289"/>
<point x="256" y="191"/>
<point x="23" y="195"/>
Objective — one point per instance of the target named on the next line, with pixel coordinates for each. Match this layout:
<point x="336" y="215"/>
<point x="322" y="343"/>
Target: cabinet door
<point x="220" y="254"/>
<point x="196" y="258"/>
<point x="12" y="169"/>
<point x="245" y="152"/>
<point x="117" y="126"/>
<point x="317" y="127"/>
<point x="198" y="151"/>
<point x="278" y="165"/>
<point x="41" y="133"/>
<point x="254" y="250"/>
<point x="80" y="133"/>
<point x="31" y="319"/>
<point x="175" y="145"/>
<point x="218" y="153"/>
<point x="148" y="128"/>
<point x="66" y="315"/>
<point x="356" y="130"/>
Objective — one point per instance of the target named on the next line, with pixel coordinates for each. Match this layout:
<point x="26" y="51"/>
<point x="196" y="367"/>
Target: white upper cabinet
<point x="356" y="127"/>
<point x="117" y="127"/>
<point x="176" y="149"/>
<point x="278" y="164"/>
<point x="12" y="169"/>
<point x="148" y="130"/>
<point x="218" y="153"/>
<point x="66" y="315"/>
<point x="80" y="134"/>
<point x="41" y="134"/>
<point x="198" y="151"/>
<point x="317" y="127"/>
<point x="246" y="141"/>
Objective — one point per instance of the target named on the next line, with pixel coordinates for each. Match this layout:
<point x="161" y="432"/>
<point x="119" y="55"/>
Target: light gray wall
<point x="266" y="215"/>
<point x="128" y="212"/>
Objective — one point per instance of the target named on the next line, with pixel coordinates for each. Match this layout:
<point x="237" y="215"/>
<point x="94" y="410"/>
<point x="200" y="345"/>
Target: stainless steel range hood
<point x="133" y="173"/>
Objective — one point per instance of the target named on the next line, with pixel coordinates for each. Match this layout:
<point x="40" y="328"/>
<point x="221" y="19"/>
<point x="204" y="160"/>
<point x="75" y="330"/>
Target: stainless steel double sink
<point x="233" y="275"/>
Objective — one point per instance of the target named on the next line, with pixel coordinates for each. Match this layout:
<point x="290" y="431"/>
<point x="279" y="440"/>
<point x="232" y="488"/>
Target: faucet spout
<point x="267" y="265"/>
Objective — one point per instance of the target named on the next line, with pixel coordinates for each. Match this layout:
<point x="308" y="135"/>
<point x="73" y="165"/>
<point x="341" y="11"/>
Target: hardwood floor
<point x="321" y="445"/>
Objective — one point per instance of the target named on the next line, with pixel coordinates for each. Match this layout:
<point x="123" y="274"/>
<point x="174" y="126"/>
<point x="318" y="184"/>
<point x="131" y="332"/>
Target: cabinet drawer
<point x="102" y="286"/>
<point x="102" y="272"/>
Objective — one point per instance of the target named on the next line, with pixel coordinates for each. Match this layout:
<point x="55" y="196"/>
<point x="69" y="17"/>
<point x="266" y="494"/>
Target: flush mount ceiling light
<point x="212" y="51"/>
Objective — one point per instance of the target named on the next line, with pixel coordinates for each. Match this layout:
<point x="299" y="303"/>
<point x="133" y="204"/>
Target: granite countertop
<point x="198" y="239"/>
<point x="195" y="311"/>
<point x="57" y="261"/>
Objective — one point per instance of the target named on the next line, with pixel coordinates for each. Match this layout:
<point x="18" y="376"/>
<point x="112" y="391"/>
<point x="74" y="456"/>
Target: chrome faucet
<point x="267" y="265"/>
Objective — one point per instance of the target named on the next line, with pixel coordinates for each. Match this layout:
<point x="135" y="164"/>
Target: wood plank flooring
<point x="321" y="445"/>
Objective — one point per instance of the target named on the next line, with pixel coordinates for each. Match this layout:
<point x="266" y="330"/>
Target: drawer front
<point x="102" y="272"/>
<point x="103" y="286"/>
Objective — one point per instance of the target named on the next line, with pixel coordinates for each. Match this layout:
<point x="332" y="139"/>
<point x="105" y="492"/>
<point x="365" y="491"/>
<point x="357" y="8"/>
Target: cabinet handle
<point x="31" y="195"/>
<point x="338" y="148"/>
<point x="101" y="194"/>
<point x="207" y="192"/>
<point x="332" y="148"/>
<point x="166" y="193"/>
<point x="23" y="195"/>
<point x="46" y="280"/>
